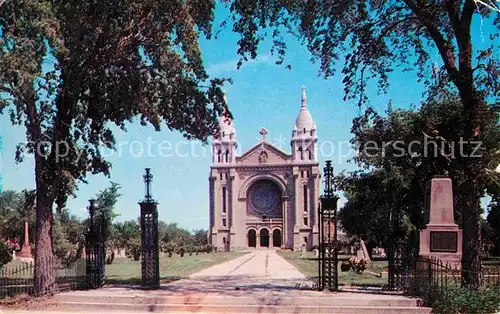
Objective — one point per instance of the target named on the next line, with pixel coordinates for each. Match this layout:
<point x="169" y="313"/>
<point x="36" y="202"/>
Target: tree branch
<point x="467" y="12"/>
<point x="444" y="47"/>
<point x="452" y="8"/>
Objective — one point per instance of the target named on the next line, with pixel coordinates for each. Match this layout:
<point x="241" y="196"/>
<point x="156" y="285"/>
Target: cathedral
<point x="265" y="198"/>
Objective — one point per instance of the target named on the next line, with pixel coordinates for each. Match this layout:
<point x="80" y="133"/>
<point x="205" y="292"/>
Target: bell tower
<point x="304" y="140"/>
<point x="224" y="145"/>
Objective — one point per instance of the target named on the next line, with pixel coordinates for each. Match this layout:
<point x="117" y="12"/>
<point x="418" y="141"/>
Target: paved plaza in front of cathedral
<point x="258" y="282"/>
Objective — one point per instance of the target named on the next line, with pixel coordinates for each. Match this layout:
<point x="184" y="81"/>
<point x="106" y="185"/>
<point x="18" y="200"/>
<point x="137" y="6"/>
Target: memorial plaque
<point x="444" y="241"/>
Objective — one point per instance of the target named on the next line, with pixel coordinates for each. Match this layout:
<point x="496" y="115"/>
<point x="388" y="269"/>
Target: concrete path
<point x="261" y="270"/>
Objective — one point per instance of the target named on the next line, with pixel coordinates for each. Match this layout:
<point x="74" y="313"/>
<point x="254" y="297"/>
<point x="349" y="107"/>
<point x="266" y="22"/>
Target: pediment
<point x="264" y="153"/>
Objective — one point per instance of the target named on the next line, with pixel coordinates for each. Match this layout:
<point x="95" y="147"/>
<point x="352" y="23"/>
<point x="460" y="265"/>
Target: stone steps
<point x="365" y="303"/>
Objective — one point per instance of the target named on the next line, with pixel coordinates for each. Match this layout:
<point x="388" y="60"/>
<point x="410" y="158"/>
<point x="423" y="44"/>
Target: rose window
<point x="265" y="197"/>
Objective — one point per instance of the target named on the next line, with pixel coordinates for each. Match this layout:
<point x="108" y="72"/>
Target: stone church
<point x="265" y="198"/>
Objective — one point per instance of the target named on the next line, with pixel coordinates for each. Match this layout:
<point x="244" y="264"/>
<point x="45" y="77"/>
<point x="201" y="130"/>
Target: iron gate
<point x="150" y="259"/>
<point x="328" y="245"/>
<point x="95" y="251"/>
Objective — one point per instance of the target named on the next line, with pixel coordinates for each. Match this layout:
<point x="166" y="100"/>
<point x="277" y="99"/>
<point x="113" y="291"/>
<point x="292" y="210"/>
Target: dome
<point x="226" y="125"/>
<point x="304" y="119"/>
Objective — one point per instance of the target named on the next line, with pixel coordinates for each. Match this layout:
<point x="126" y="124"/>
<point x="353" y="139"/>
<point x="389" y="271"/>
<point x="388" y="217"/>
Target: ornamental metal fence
<point x="430" y="277"/>
<point x="18" y="277"/>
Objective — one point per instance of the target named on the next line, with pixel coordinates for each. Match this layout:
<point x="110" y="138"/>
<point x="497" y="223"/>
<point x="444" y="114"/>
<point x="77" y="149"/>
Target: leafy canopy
<point x="69" y="69"/>
<point x="369" y="39"/>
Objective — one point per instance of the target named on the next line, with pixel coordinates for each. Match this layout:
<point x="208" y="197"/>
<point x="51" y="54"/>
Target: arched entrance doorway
<point x="264" y="238"/>
<point x="252" y="238"/>
<point x="277" y="238"/>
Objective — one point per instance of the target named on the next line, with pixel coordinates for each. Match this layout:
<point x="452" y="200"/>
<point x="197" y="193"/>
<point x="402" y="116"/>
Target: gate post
<point x="395" y="256"/>
<point x="328" y="246"/>
<point x="94" y="250"/>
<point x="150" y="257"/>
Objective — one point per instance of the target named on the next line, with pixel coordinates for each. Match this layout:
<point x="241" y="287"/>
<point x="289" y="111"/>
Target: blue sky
<point x="262" y="95"/>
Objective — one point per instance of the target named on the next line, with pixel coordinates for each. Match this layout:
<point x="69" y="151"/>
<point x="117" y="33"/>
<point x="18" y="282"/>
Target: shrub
<point x="170" y="247"/>
<point x="465" y="300"/>
<point x="345" y="266"/>
<point x="181" y="251"/>
<point x="110" y="258"/>
<point x="5" y="254"/>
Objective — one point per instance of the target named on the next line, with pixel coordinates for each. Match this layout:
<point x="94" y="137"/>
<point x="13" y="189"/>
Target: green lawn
<point x="125" y="270"/>
<point x="308" y="265"/>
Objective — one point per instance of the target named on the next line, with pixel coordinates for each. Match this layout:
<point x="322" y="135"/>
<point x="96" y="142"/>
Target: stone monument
<point x="441" y="238"/>
<point x="26" y="248"/>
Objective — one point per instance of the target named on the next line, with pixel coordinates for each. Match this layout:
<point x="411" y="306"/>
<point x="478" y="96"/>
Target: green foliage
<point x="170" y="248"/>
<point x="493" y="220"/>
<point x="370" y="39"/>
<point x="104" y="215"/>
<point x="5" y="254"/>
<point x="181" y="250"/>
<point x="134" y="248"/>
<point x="15" y="209"/>
<point x="127" y="235"/>
<point x="62" y="246"/>
<point x="200" y="237"/>
<point x="395" y="173"/>
<point x="465" y="300"/>
<point x="69" y="70"/>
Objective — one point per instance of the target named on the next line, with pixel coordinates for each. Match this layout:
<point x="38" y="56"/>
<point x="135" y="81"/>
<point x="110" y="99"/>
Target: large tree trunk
<point x="470" y="189"/>
<point x="44" y="269"/>
<point x="471" y="260"/>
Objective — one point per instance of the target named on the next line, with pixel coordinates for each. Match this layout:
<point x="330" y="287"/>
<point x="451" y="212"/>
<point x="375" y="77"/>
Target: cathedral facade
<point x="265" y="198"/>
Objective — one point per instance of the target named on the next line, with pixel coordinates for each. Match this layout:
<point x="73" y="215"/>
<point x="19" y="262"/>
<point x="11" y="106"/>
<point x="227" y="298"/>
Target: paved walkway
<point x="261" y="270"/>
<point x="257" y="271"/>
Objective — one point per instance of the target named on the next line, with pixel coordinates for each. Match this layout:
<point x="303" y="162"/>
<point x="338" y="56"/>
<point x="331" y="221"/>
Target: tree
<point x="493" y="220"/>
<point x="71" y="69"/>
<point x="369" y="203"/>
<point x="104" y="215"/>
<point x="200" y="237"/>
<point x="375" y="37"/>
<point x="5" y="255"/>
<point x="127" y="235"/>
<point x="396" y="171"/>
<point x="16" y="208"/>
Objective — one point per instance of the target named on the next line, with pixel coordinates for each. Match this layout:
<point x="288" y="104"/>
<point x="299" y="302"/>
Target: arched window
<point x="305" y="198"/>
<point x="310" y="153"/>
<point x="301" y="153"/>
<point x="224" y="199"/>
<point x="219" y="153"/>
<point x="227" y="155"/>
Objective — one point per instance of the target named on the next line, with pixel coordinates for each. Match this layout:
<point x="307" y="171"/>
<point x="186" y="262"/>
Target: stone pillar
<point x="211" y="230"/>
<point x="297" y="241"/>
<point x="284" y="220"/>
<point x="233" y="242"/>
<point x="26" y="248"/>
<point x="441" y="237"/>
<point x="314" y="209"/>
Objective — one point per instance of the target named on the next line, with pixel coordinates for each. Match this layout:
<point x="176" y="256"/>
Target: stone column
<point x="297" y="244"/>
<point x="284" y="224"/>
<point x="233" y="242"/>
<point x="314" y="210"/>
<point x="212" y="230"/>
